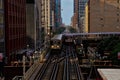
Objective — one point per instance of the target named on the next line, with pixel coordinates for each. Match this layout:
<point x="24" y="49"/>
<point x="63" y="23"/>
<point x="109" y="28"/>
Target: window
<point x="117" y="20"/>
<point x="117" y="1"/>
<point x="1" y="4"/>
<point x="101" y="19"/>
<point x="117" y="14"/>
<point x="1" y="18"/>
<point x="117" y="7"/>
<point x="1" y="33"/>
<point x="102" y="25"/>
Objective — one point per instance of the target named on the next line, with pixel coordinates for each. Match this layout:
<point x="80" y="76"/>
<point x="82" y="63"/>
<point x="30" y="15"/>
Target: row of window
<point x="16" y="31"/>
<point x="17" y="2"/>
<point x="1" y="4"/>
<point x="16" y="19"/>
<point x="2" y="47"/>
<point x="1" y="18"/>
<point x="16" y="43"/>
<point x="1" y="33"/>
<point x="14" y="9"/>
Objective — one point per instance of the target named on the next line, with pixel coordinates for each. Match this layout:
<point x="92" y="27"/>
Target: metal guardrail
<point x="30" y="71"/>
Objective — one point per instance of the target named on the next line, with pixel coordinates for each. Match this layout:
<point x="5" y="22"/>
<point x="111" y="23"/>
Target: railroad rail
<point x="49" y="70"/>
<point x="43" y="70"/>
<point x="58" y="67"/>
<point x="71" y="67"/>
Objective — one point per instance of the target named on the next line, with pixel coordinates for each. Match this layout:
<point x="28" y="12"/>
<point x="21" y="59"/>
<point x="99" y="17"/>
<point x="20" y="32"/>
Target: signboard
<point x="119" y="55"/>
<point x="1" y="57"/>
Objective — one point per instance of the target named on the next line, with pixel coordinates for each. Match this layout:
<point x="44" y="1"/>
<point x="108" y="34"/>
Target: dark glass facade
<point x="2" y="28"/>
<point x="15" y="27"/>
<point x="57" y="13"/>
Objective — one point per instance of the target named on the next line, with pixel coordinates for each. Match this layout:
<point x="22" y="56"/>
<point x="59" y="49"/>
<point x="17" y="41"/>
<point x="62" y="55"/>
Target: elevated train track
<point x="68" y="64"/>
<point x="86" y="36"/>
<point x="48" y="71"/>
<point x="71" y="67"/>
<point x="65" y="67"/>
<point x="62" y="67"/>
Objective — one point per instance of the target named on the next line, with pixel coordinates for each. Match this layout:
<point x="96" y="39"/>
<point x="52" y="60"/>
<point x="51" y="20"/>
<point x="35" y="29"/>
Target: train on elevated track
<point x="99" y="35"/>
<point x="76" y="38"/>
<point x="56" y="44"/>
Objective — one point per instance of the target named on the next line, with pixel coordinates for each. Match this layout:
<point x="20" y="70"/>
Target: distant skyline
<point x="67" y="11"/>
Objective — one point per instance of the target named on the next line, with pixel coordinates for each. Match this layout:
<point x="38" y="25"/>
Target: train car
<point x="56" y="44"/>
<point x="68" y="39"/>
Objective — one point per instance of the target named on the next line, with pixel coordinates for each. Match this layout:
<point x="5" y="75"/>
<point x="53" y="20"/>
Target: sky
<point x="67" y="11"/>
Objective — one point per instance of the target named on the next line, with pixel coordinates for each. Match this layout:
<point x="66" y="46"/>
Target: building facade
<point x="75" y="15"/>
<point x="104" y="15"/>
<point x="15" y="27"/>
<point x="79" y="14"/>
<point x="30" y="23"/>
<point x="85" y="28"/>
<point x="47" y="19"/>
<point x="2" y="28"/>
<point x="58" y="18"/>
<point x="33" y="24"/>
<point x="82" y="4"/>
<point x="81" y="24"/>
<point x="39" y="27"/>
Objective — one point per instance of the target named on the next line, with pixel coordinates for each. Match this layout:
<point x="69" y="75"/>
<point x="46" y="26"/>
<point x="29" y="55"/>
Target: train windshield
<point x="55" y="42"/>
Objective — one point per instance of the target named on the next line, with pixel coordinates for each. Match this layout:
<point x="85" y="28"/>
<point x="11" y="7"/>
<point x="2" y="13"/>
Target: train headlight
<point x="58" y="46"/>
<point x="52" y="46"/>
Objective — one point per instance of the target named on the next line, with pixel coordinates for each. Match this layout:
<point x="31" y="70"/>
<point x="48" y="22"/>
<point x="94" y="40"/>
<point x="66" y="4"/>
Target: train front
<point x="56" y="44"/>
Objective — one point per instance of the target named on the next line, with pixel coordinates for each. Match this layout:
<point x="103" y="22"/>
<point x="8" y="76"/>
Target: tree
<point x="72" y="30"/>
<point x="114" y="54"/>
<point x="108" y="44"/>
<point x="59" y="30"/>
<point x="112" y="45"/>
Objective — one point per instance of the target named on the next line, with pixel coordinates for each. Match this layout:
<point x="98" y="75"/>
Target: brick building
<point x="15" y="27"/>
<point x="79" y="14"/>
<point x="103" y="16"/>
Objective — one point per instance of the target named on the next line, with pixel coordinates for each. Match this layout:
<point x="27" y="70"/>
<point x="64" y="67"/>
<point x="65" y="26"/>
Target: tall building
<point x="33" y="24"/>
<point x="81" y="24"/>
<point x="15" y="27"/>
<point x="2" y="28"/>
<point x="57" y="13"/>
<point x="49" y="18"/>
<point x="75" y="15"/>
<point x="43" y="21"/>
<point x="39" y="28"/>
<point x="103" y="15"/>
<point x="82" y="4"/>
<point x="46" y="19"/>
<point x="79" y="14"/>
<point x="30" y="23"/>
